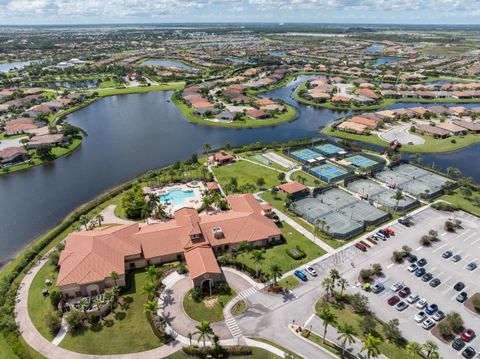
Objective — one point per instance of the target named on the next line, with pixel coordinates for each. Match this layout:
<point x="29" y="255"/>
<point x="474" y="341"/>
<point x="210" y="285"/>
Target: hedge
<point x="300" y="255"/>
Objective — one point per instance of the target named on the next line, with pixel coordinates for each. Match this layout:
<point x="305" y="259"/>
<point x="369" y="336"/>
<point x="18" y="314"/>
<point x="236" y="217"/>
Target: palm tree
<point x="328" y="319"/>
<point x="334" y="275"/>
<point x="342" y="283"/>
<point x="206" y="149"/>
<point x="150" y="307"/>
<point x="98" y="303"/>
<point x="152" y="273"/>
<point x="109" y="298"/>
<point x="414" y="349"/>
<point x="347" y="334"/>
<point x="328" y="285"/>
<point x="160" y="211"/>
<point x="243" y="247"/>
<point x="430" y="348"/>
<point x="370" y="344"/>
<point x="398" y="196"/>
<point x="257" y="257"/>
<point x="84" y="220"/>
<point x="204" y="330"/>
<point x="84" y="305"/>
<point x="149" y="289"/>
<point x="99" y="218"/>
<point x="276" y="272"/>
<point x="114" y="276"/>
<point x="320" y="222"/>
<point x="115" y="293"/>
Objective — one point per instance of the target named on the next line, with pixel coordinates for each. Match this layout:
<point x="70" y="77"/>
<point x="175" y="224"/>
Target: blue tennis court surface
<point x="360" y="161"/>
<point x="328" y="171"/>
<point x="328" y="149"/>
<point x="305" y="154"/>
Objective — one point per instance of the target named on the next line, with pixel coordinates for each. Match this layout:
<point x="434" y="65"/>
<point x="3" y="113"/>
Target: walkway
<point x="109" y="216"/>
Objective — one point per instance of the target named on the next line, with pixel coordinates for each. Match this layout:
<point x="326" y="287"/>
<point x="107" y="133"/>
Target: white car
<point x="421" y="303"/>
<point x="412" y="267"/>
<point x="428" y="323"/>
<point x="396" y="287"/>
<point x="420" y="317"/>
<point x="412" y="298"/>
<point x="311" y="271"/>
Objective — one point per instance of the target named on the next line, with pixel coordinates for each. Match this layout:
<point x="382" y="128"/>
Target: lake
<point x="169" y="63"/>
<point x="385" y="60"/>
<point x="375" y="48"/>
<point x="131" y="134"/>
<point x="8" y="66"/>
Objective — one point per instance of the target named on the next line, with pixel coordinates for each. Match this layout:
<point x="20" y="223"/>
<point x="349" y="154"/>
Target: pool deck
<point x="195" y="201"/>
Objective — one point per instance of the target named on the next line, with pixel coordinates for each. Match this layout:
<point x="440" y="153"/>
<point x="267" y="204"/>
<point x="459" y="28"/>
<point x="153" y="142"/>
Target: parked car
<point x="393" y="300"/>
<point x="384" y="232"/>
<point x="404" y="292"/>
<point x="459" y="286"/>
<point x="421" y="303"/>
<point x="401" y="306"/>
<point x="471" y="266"/>
<point x="467" y="335"/>
<point x="420" y="316"/>
<point x="301" y="275"/>
<point x="310" y="270"/>
<point x="420" y="272"/>
<point x="447" y="254"/>
<point x="458" y="344"/>
<point x="412" y="298"/>
<point x="427" y="276"/>
<point x="469" y="353"/>
<point x="361" y="247"/>
<point x="381" y="236"/>
<point x="456" y="258"/>
<point x="462" y="297"/>
<point x="432" y="308"/>
<point x="377" y="287"/>
<point x="438" y="316"/>
<point x="412" y="267"/>
<point x="404" y="221"/>
<point x="428" y="324"/>
<point x="396" y="287"/>
<point x="421" y="262"/>
<point x="412" y="258"/>
<point x="435" y="282"/>
<point x="389" y="231"/>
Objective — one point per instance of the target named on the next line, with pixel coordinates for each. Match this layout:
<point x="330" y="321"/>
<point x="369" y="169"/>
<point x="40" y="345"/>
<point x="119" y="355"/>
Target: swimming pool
<point x="176" y="197"/>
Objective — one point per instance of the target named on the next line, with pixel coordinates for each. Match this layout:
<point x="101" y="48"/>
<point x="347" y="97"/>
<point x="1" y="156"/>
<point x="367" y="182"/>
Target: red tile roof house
<point x="293" y="189"/>
<point x="221" y="158"/>
<point x="90" y="257"/>
<point x="13" y="155"/>
<point x="257" y="114"/>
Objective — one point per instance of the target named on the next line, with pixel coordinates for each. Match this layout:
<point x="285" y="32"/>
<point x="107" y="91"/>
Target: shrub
<point x="359" y="303"/>
<point x="93" y="318"/>
<point x="377" y="269"/>
<point x="444" y="206"/>
<point x="223" y="288"/>
<point x="55" y="298"/>
<point x="182" y="268"/>
<point x="53" y="321"/>
<point x="476" y="304"/>
<point x="196" y="294"/>
<point x="366" y="274"/>
<point x="74" y="321"/>
<point x="367" y="323"/>
<point x="445" y="329"/>
<point x="296" y="253"/>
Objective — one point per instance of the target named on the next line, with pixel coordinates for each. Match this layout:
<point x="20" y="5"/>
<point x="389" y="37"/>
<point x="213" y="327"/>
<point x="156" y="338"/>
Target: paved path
<point x="109" y="216"/>
<point x="402" y="135"/>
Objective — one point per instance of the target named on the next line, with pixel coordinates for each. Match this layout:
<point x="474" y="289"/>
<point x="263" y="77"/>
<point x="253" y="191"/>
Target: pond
<point x="385" y="60"/>
<point x="375" y="47"/>
<point x="169" y="63"/>
<point x="8" y="66"/>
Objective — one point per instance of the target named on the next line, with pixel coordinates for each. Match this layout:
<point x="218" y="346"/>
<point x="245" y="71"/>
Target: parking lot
<point x="464" y="242"/>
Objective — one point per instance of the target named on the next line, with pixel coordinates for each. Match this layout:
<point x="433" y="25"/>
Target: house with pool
<point x="90" y="257"/>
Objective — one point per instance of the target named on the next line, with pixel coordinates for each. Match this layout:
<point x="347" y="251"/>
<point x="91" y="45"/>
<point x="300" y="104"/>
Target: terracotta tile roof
<point x="200" y="261"/>
<point x="292" y="187"/>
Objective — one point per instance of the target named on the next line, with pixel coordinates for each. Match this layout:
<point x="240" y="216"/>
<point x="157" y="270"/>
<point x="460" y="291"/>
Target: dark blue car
<point x="420" y="271"/>
<point x="301" y="275"/>
<point x="432" y="308"/>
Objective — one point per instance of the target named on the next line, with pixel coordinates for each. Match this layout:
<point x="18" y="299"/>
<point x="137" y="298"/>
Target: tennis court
<point x="361" y="161"/>
<point x="328" y="173"/>
<point x="305" y="155"/>
<point x="329" y="149"/>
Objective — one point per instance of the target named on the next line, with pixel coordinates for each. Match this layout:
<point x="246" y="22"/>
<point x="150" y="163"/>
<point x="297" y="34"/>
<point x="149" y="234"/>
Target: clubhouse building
<point x="90" y="257"/>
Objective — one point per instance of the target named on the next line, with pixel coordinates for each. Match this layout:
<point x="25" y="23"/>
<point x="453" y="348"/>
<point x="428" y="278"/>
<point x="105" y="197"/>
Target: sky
<point x="163" y="11"/>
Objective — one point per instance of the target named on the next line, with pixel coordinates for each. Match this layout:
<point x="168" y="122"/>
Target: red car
<point x="404" y="292"/>
<point x="393" y="300"/>
<point x="365" y="244"/>
<point x="389" y="231"/>
<point x="467" y="335"/>
<point x="361" y="247"/>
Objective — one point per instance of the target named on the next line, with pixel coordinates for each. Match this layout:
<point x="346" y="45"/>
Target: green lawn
<point x="139" y="89"/>
<point x="309" y="179"/>
<point x="257" y="353"/>
<point x="431" y="145"/>
<point x="289" y="282"/>
<point x="331" y="347"/>
<point x="466" y="204"/>
<point x="200" y="311"/>
<point x="127" y="331"/>
<point x="5" y="350"/>
<point x="346" y="315"/>
<point x="38" y="305"/>
<point x="266" y="161"/>
<point x="266" y="341"/>
<point x="278" y="255"/>
<point x="246" y="172"/>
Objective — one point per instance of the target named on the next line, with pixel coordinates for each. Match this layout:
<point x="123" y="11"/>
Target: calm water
<point x="8" y="66"/>
<point x="168" y="63"/>
<point x="128" y="135"/>
<point x="385" y="60"/>
<point x="375" y="48"/>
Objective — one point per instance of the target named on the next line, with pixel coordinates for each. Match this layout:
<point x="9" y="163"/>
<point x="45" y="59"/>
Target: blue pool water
<point x="177" y="197"/>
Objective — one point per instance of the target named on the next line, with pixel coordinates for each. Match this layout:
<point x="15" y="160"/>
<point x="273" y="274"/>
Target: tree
<point x="398" y="196"/>
<point x="206" y="149"/>
<point x="149" y="289"/>
<point x="153" y="200"/>
<point x="276" y="271"/>
<point x="413" y="349"/>
<point x="243" y="247"/>
<point x="430" y="348"/>
<point x="150" y="307"/>
<point x="99" y="218"/>
<point x="260" y="182"/>
<point x="377" y="269"/>
<point x="347" y="334"/>
<point x="43" y="151"/>
<point x="334" y="275"/>
<point x="281" y="176"/>
<point x="343" y="284"/>
<point x="370" y="344"/>
<point x="152" y="273"/>
<point x="54" y="322"/>
<point x="366" y="323"/>
<point x="329" y="318"/>
<point x="114" y="276"/>
<point x="98" y="304"/>
<point x="392" y="331"/>
<point x="359" y="303"/>
<point x="74" y="321"/>
<point x="84" y="305"/>
<point x="455" y="320"/>
<point x="328" y="285"/>
<point x="84" y="220"/>
<point x="108" y="296"/>
<point x="204" y="330"/>
<point x="133" y="202"/>
<point x="257" y="257"/>
<point x="319" y="222"/>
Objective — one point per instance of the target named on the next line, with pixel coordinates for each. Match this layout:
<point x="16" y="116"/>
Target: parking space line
<point x="476" y="240"/>
<point x="469" y="237"/>
<point x="444" y="233"/>
<point x="442" y="246"/>
<point x="463" y="233"/>
<point x="390" y="265"/>
<point x="419" y="248"/>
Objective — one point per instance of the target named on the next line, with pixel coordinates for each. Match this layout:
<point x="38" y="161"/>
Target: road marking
<point x="390" y="265"/>
<point x="444" y="233"/>
<point x="419" y="248"/>
<point x="308" y="320"/>
<point x="446" y="290"/>
<point x="476" y="240"/>
<point x="436" y="250"/>
<point x="469" y="237"/>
